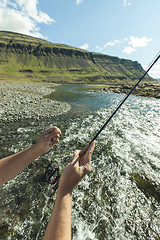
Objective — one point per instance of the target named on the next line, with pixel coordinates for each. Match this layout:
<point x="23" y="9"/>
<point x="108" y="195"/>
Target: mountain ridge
<point x="32" y="58"/>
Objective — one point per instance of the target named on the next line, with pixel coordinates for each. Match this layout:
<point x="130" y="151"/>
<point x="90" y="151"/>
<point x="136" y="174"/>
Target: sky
<point x="126" y="29"/>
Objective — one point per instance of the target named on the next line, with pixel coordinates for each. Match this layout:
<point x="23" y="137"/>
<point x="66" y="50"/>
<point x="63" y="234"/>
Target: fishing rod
<point x="84" y="150"/>
<point x="54" y="169"/>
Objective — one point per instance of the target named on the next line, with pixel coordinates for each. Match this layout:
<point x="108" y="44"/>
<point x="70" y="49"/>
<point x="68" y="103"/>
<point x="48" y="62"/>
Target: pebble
<point x="25" y="100"/>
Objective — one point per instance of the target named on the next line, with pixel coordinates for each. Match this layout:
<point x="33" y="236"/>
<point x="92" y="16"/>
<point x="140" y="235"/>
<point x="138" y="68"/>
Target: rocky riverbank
<point x="143" y="90"/>
<point x="25" y="101"/>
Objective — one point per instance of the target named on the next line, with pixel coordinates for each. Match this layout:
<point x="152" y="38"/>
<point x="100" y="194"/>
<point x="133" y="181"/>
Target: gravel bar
<point x="25" y="101"/>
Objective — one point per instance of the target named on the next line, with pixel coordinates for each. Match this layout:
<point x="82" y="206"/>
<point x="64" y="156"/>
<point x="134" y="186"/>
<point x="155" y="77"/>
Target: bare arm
<point x="12" y="165"/>
<point x="59" y="226"/>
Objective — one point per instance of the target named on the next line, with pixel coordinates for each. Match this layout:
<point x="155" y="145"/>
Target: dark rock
<point x="145" y="89"/>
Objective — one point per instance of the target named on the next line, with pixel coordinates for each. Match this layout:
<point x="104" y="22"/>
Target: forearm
<point x="59" y="226"/>
<point x="12" y="165"/>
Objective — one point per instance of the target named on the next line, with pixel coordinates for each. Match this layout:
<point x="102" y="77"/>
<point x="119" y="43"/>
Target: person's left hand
<point x="49" y="137"/>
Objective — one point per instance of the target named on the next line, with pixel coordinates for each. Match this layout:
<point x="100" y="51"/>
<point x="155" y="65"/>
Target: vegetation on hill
<point x="25" y="57"/>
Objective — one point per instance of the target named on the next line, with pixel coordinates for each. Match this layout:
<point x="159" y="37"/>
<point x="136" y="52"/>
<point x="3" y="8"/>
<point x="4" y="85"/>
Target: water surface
<point x="120" y="197"/>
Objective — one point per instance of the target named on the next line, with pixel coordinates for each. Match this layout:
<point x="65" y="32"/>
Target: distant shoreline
<point x="146" y="89"/>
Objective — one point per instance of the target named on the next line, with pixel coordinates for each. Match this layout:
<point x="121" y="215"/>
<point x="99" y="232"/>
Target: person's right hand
<point x="49" y="137"/>
<point x="75" y="170"/>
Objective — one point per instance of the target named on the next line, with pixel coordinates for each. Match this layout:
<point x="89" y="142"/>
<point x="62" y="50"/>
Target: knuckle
<point x="90" y="153"/>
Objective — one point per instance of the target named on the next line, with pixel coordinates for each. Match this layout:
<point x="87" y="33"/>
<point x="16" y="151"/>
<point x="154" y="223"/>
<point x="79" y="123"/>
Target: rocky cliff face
<point x="30" y="57"/>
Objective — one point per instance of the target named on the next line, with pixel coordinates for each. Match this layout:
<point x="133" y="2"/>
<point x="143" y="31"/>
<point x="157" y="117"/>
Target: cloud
<point x="136" y="43"/>
<point x="126" y="3"/>
<point x="139" y="42"/>
<point x="85" y="46"/>
<point x="133" y="43"/>
<point x="154" y="72"/>
<point x="111" y="43"/>
<point x="22" y="16"/>
<point x="129" y="50"/>
<point x="79" y="1"/>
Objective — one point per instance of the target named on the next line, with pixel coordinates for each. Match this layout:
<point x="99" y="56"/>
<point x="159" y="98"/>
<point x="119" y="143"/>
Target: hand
<point x="75" y="170"/>
<point x="49" y="137"/>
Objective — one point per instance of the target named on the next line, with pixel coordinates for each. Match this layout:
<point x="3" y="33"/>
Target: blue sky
<point x="124" y="28"/>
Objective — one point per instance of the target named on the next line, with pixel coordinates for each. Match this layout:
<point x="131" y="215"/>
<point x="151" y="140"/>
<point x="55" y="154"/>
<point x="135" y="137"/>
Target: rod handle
<point x="84" y="150"/>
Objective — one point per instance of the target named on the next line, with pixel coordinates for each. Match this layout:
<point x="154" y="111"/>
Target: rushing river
<point x="119" y="199"/>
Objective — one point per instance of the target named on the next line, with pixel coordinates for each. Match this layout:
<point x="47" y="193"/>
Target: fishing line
<point x="54" y="169"/>
<point x="153" y="61"/>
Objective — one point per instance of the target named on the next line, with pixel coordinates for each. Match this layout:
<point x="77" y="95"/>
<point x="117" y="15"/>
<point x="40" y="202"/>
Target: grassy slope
<point x="27" y="58"/>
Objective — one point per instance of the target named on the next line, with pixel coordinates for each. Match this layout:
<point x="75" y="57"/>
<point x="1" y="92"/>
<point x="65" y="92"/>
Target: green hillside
<point x="29" y="58"/>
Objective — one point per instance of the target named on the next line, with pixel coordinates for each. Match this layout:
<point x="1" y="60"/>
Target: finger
<point x="54" y="140"/>
<point x="75" y="156"/>
<point x="53" y="136"/>
<point x="53" y="129"/>
<point x="84" y="169"/>
<point x="88" y="155"/>
<point x="57" y="130"/>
